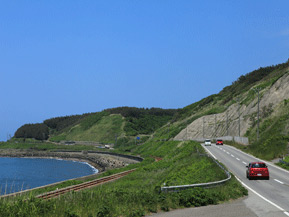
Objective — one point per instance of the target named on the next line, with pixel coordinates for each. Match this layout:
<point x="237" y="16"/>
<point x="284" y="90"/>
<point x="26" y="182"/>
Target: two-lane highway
<point x="271" y="197"/>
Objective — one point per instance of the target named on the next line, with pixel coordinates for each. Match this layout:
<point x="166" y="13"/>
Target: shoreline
<point x="89" y="163"/>
<point x="92" y="164"/>
<point x="98" y="162"/>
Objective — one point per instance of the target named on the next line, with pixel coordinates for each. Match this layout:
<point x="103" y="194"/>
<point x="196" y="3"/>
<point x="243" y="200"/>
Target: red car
<point x="219" y="142"/>
<point x="257" y="170"/>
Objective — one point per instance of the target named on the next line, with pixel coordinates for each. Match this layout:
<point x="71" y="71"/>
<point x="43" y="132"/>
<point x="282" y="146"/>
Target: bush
<point x="196" y="197"/>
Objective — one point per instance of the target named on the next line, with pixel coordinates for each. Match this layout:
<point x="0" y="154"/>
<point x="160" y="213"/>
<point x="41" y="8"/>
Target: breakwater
<point x="100" y="160"/>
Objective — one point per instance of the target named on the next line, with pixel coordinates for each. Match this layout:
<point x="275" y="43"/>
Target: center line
<point x="232" y="155"/>
<point x="244" y="163"/>
<point x="279" y="181"/>
<point x="237" y="158"/>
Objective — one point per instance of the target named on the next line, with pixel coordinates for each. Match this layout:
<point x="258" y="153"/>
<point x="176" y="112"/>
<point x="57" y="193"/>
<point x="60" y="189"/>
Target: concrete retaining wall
<point x="241" y="140"/>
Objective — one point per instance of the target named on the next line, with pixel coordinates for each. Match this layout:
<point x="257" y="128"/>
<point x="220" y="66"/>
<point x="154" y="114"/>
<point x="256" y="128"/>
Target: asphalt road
<point x="269" y="197"/>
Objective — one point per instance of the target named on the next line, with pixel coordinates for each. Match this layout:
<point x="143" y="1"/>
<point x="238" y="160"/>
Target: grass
<point x="285" y="166"/>
<point x="104" y="131"/>
<point x="274" y="136"/>
<point x="139" y="193"/>
<point x="39" y="146"/>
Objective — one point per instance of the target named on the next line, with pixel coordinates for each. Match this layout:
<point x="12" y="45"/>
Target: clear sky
<point x="64" y="57"/>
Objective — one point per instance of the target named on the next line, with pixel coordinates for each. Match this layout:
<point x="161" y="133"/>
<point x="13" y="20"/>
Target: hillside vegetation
<point x="138" y="193"/>
<point x="214" y="116"/>
<point x="179" y="162"/>
<point x="218" y="115"/>
<point x="123" y="123"/>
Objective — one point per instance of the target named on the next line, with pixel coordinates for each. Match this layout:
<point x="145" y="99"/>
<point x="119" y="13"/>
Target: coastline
<point x="98" y="161"/>
<point x="89" y="163"/>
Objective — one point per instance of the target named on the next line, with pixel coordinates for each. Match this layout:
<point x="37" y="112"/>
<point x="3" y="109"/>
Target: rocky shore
<point x="101" y="161"/>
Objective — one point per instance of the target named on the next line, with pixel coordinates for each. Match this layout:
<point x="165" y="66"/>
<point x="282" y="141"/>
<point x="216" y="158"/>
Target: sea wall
<point x="101" y="161"/>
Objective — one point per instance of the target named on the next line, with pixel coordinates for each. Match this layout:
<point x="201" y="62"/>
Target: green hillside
<point x="274" y="123"/>
<point x="124" y="124"/>
<point x="104" y="130"/>
<point x="166" y="162"/>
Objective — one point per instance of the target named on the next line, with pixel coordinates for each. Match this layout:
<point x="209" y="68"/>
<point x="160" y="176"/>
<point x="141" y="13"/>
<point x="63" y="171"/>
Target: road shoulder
<point x="236" y="208"/>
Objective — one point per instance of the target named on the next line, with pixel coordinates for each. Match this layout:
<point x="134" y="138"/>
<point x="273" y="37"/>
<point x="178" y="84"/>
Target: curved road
<point x="267" y="198"/>
<point x="274" y="193"/>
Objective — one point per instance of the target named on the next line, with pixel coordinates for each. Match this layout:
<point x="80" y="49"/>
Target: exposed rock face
<point x="227" y="123"/>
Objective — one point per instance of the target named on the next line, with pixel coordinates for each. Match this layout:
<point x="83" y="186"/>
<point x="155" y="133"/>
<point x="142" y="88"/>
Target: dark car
<point x="219" y="142"/>
<point x="257" y="170"/>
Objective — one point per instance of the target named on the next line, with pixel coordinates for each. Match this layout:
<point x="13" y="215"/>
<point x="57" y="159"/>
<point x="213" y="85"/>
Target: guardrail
<point x="283" y="162"/>
<point x="205" y="185"/>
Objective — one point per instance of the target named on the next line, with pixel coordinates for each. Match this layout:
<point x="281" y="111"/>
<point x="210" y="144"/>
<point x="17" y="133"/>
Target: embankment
<point x="100" y="160"/>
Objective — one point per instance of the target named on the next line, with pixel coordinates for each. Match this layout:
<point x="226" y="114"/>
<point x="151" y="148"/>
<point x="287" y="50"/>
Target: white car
<point x="208" y="142"/>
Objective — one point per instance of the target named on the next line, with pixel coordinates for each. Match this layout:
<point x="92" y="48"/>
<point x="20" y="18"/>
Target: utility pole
<point x="257" y="90"/>
<point x="203" y="127"/>
<point x="238" y="100"/>
<point x="215" y="126"/>
<point x="227" y="123"/>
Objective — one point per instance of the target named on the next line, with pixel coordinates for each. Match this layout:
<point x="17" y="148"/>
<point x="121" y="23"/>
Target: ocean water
<point x="18" y="174"/>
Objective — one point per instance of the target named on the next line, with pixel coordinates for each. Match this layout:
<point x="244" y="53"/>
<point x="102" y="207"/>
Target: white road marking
<point x="278" y="207"/>
<point x="232" y="155"/>
<point x="259" y="159"/>
<point x="279" y="181"/>
<point x="210" y="153"/>
<point x="246" y="186"/>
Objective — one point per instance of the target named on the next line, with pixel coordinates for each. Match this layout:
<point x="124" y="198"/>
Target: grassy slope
<point x="102" y="127"/>
<point x="126" y="123"/>
<point x="104" y="130"/>
<point x="39" y="146"/>
<point x="274" y="135"/>
<point x="138" y="193"/>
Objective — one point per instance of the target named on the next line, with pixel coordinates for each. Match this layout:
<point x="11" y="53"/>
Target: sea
<point x="17" y="174"/>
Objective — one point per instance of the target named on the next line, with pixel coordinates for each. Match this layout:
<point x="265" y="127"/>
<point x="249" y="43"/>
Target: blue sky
<point x="69" y="57"/>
